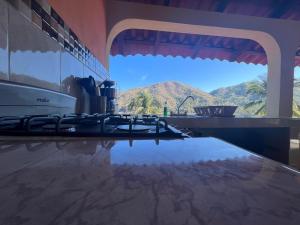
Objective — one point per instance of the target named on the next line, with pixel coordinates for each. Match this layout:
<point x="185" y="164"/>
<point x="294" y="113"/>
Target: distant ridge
<point x="174" y="92"/>
<point x="171" y="91"/>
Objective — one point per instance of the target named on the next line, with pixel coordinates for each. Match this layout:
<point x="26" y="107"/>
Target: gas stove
<point x="85" y="125"/>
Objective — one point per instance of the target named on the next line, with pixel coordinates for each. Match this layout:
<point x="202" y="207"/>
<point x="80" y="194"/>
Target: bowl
<point x="215" y="111"/>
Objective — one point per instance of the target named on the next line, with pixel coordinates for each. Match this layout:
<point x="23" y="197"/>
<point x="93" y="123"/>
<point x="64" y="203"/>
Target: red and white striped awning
<point x="146" y="42"/>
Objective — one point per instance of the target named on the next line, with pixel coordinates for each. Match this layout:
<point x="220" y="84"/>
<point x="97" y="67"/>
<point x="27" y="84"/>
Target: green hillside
<point x="174" y="93"/>
<point x="171" y="92"/>
<point x="236" y="95"/>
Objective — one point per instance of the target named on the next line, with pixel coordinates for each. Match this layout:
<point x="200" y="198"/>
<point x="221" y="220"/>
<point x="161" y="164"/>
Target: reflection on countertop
<point x="109" y="181"/>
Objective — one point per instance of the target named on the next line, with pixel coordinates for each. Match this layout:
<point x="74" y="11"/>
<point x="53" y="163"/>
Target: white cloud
<point x="135" y="74"/>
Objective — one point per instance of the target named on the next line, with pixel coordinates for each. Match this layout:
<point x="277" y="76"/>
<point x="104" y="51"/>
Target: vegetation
<point x="259" y="88"/>
<point x="249" y="96"/>
<point x="143" y="103"/>
<point x="236" y="95"/>
<point x="137" y="100"/>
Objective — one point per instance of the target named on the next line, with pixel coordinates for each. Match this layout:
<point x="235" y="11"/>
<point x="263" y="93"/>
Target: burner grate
<point x="88" y="125"/>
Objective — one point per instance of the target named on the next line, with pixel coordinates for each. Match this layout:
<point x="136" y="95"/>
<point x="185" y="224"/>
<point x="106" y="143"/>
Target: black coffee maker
<point x="107" y="89"/>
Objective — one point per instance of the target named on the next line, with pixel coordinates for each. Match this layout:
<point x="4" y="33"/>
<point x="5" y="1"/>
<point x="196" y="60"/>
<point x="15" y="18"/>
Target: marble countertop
<point x="87" y="181"/>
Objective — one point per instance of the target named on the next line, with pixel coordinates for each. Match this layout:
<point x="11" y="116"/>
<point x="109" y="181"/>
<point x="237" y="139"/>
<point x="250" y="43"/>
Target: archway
<point x="279" y="51"/>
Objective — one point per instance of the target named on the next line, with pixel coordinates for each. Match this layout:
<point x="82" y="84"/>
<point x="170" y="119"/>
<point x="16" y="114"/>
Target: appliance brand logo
<point x="44" y="100"/>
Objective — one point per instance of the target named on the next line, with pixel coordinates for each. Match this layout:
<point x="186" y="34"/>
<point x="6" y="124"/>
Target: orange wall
<point x="87" y="19"/>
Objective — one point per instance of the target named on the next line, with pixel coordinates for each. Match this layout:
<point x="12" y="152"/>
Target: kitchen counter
<point x="104" y="181"/>
<point x="269" y="137"/>
<point x="229" y="122"/>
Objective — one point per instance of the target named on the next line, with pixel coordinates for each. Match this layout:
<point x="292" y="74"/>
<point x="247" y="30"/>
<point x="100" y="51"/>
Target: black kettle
<point x="107" y="90"/>
<point x="89" y="85"/>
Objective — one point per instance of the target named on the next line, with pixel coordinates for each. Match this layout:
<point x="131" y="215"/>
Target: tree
<point x="144" y="104"/>
<point x="259" y="90"/>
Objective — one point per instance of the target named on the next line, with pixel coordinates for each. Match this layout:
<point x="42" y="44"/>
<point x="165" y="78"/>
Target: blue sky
<point x="138" y="71"/>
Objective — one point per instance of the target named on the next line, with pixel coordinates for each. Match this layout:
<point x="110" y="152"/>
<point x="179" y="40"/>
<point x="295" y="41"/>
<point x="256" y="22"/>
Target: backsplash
<point x="37" y="47"/>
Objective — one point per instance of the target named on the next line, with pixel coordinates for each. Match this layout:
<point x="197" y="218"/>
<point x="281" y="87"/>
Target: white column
<point x="280" y="82"/>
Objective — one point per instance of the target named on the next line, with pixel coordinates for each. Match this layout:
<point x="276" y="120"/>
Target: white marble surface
<point x="104" y="181"/>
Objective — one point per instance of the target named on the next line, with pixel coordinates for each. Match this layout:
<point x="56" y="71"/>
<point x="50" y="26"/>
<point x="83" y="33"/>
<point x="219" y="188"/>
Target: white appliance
<point x="18" y="100"/>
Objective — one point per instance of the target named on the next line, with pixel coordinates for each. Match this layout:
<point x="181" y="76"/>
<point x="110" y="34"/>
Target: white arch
<point x="279" y="38"/>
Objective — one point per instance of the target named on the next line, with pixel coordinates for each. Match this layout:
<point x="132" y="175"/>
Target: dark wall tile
<point x="3" y="40"/>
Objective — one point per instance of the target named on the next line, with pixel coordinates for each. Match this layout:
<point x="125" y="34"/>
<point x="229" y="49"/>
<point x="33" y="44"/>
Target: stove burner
<point x="137" y="128"/>
<point x="100" y="125"/>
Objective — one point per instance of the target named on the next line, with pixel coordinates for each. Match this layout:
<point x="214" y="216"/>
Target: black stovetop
<point x="99" y="125"/>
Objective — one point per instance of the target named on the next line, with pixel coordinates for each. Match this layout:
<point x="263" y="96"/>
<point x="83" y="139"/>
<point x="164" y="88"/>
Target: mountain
<point x="174" y="92"/>
<point x="236" y="95"/>
<point x="171" y="92"/>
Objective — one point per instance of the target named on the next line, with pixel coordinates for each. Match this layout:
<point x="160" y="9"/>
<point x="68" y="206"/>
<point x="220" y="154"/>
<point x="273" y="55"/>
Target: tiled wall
<point x="3" y="41"/>
<point x="37" y="48"/>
